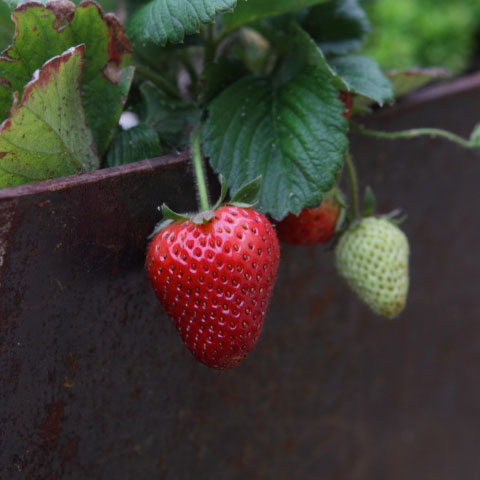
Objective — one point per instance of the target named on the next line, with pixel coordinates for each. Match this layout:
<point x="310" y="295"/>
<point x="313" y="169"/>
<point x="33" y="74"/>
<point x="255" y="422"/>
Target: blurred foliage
<point x="408" y="33"/>
<point x="405" y="33"/>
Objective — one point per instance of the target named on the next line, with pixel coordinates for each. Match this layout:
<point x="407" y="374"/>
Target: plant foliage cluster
<point x="260" y="81"/>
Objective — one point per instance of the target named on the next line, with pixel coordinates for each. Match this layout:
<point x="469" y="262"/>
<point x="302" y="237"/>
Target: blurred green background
<point x="424" y="33"/>
<point x="405" y="33"/>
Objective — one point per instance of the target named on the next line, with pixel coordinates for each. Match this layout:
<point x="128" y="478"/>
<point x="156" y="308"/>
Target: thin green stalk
<point x="157" y="80"/>
<point x="352" y="176"/>
<point x="210" y="44"/>
<point x="413" y="133"/>
<point x="222" y="35"/>
<point x="200" y="171"/>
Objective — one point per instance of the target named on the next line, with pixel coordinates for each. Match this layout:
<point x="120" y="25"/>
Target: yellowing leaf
<point x="47" y="135"/>
<point x="45" y="31"/>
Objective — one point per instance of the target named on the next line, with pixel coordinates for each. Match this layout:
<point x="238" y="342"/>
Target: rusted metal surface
<point x="95" y="384"/>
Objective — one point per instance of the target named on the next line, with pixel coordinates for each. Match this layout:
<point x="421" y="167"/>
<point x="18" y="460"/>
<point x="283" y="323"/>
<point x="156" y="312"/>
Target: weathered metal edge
<point x="433" y="92"/>
<point x="62" y="183"/>
<point x="425" y="95"/>
<point x="445" y="89"/>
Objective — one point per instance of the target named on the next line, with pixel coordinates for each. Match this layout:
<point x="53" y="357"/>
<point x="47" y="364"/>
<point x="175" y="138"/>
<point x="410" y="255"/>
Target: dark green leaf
<point x="248" y="194"/>
<point x="134" y="5"/>
<point x="289" y="129"/>
<point x="166" y="114"/>
<point x="406" y="81"/>
<point x="283" y="22"/>
<point x="162" y="21"/>
<point x="363" y="76"/>
<point x="7" y="27"/>
<point x="253" y="10"/>
<point x="220" y="75"/>
<point x="108" y="5"/>
<point x="43" y="32"/>
<point x="171" y="118"/>
<point x="338" y="26"/>
<point x="132" y="145"/>
<point x="47" y="135"/>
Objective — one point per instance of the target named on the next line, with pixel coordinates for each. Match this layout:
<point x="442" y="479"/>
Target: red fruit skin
<point x="312" y="225"/>
<point x="215" y="281"/>
<point x="347" y="99"/>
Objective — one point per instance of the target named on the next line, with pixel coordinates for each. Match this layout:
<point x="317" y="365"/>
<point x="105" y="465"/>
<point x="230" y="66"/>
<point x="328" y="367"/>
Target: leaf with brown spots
<point x="406" y="81"/>
<point x="43" y="32"/>
<point x="47" y="135"/>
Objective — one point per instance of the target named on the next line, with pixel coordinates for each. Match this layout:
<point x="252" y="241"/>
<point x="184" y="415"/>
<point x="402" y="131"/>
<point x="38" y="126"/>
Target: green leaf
<point x="43" y="32"/>
<point x="167" y="212"/>
<point x="162" y="21"/>
<point x="248" y="194"/>
<point x="108" y="5"/>
<point x="223" y="192"/>
<point x="253" y="10"/>
<point x="338" y="26"/>
<point x="47" y="135"/>
<point x="172" y="118"/>
<point x="133" y="5"/>
<point x="289" y="129"/>
<point x="406" y="81"/>
<point x="7" y="27"/>
<point x="363" y="76"/>
<point x="221" y="74"/>
<point x="132" y="145"/>
<point x="369" y="202"/>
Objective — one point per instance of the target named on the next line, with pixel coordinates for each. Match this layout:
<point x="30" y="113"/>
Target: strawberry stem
<point x="210" y="44"/>
<point x="157" y="80"/>
<point x="352" y="176"/>
<point x="415" y="132"/>
<point x="199" y="167"/>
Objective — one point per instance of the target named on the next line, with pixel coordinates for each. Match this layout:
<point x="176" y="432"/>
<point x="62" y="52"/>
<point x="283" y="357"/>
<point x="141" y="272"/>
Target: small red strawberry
<point x="214" y="280"/>
<point x="312" y="225"/>
<point x="347" y="99"/>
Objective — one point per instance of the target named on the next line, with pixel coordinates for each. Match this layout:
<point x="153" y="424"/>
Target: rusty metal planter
<point x="95" y="384"/>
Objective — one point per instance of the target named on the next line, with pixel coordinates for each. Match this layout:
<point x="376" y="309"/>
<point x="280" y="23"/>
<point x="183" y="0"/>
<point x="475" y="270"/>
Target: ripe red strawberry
<point x="347" y="99"/>
<point x="312" y="225"/>
<point x="215" y="280"/>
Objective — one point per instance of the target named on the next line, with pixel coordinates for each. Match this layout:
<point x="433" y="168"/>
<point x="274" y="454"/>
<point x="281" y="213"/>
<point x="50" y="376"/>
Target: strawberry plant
<point x="264" y="90"/>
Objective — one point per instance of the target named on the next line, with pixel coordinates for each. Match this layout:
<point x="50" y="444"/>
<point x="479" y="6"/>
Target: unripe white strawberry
<point x="372" y="256"/>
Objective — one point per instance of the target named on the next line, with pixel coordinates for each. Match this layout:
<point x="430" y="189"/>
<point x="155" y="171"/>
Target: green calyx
<point x="245" y="197"/>
<point x="475" y="137"/>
